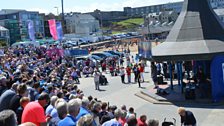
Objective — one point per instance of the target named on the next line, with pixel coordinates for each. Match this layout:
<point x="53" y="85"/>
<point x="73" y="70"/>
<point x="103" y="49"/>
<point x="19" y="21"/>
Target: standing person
<point x="154" y="74"/>
<point x="128" y="71"/>
<point x="141" y="69"/>
<point x="138" y="74"/>
<point x="135" y="70"/>
<point x="121" y="61"/>
<point x="115" y="120"/>
<point x="97" y="80"/>
<point x="165" y="67"/>
<point x="34" y="111"/>
<point x="187" y="117"/>
<point x="122" y="74"/>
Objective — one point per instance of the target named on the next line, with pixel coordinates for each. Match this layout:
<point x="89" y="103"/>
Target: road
<point x="118" y="94"/>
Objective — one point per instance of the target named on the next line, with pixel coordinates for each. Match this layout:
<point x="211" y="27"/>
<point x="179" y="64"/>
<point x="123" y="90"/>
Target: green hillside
<point x="127" y="25"/>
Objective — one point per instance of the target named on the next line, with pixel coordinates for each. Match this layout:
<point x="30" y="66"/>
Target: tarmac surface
<point x="118" y="94"/>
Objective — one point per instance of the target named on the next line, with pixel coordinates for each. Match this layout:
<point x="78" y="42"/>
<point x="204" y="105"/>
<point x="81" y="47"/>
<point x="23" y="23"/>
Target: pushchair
<point x="103" y="80"/>
<point x="169" y="123"/>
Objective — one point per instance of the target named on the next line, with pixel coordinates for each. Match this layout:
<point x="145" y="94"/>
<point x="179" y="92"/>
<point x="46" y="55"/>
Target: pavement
<point x="118" y="94"/>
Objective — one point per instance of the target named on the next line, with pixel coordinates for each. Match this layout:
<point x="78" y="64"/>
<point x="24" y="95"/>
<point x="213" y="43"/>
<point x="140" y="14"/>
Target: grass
<point x="131" y="22"/>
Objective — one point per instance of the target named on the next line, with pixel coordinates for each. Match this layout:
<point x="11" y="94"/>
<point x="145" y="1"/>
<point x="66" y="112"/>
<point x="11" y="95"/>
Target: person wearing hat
<point x="34" y="111"/>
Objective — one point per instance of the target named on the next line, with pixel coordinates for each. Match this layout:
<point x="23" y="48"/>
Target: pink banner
<point x="53" y="29"/>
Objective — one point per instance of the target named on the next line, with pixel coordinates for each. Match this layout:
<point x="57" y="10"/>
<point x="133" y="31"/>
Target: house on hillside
<point x="81" y="23"/>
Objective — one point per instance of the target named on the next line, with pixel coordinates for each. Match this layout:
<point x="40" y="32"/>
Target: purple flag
<point x="59" y="31"/>
<point x="31" y="30"/>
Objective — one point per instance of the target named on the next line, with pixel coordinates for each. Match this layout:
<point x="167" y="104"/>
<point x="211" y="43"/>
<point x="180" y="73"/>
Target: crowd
<point x="38" y="90"/>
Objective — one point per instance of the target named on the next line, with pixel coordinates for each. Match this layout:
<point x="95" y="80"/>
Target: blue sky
<point x="47" y="6"/>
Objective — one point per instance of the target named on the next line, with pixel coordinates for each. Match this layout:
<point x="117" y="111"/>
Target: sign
<point x="31" y="30"/>
<point x="144" y="50"/>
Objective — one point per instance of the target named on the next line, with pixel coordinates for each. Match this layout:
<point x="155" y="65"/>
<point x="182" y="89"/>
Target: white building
<point x="162" y="17"/>
<point x="81" y="23"/>
<point x="4" y="36"/>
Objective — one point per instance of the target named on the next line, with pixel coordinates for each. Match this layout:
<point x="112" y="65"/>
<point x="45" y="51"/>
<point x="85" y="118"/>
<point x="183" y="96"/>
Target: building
<point x="4" y="36"/>
<point x="107" y="17"/>
<point x="81" y="23"/>
<point x="176" y="6"/>
<point x="163" y="17"/>
<point x="141" y="11"/>
<point x="17" y="23"/>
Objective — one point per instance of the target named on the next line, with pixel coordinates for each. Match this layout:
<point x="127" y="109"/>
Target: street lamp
<point x="57" y="10"/>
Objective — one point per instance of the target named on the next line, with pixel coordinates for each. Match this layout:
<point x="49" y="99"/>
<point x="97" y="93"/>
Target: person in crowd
<point x="154" y="74"/>
<point x="62" y="109"/>
<point x="122" y="119"/>
<point x="96" y="80"/>
<point x="51" y="106"/>
<point x="73" y="110"/>
<point x="8" y="118"/>
<point x="34" y="111"/>
<point x="15" y="100"/>
<point x="153" y="122"/>
<point x="187" y="117"/>
<point x="6" y="97"/>
<point x="122" y="74"/>
<point x="103" y="110"/>
<point x="114" y="121"/>
<point x="135" y="70"/>
<point x="141" y="68"/>
<point x="130" y="113"/>
<point x="128" y="71"/>
<point x="75" y="75"/>
<point x="95" y="111"/>
<point x="84" y="108"/>
<point x="142" y="120"/>
<point x="23" y="102"/>
<point x="86" y="120"/>
<point x="131" y="121"/>
<point x="124" y="108"/>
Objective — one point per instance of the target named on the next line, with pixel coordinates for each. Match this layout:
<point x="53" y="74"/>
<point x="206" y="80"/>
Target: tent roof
<point x="197" y="34"/>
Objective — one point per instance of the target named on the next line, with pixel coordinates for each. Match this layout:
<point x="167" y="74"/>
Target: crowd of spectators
<point x="38" y="90"/>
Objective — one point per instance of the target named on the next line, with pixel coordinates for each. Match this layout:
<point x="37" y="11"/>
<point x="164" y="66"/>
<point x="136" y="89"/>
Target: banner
<point x="76" y="52"/>
<point x="144" y="50"/>
<point x="59" y="31"/>
<point x="31" y="30"/>
<point x="53" y="29"/>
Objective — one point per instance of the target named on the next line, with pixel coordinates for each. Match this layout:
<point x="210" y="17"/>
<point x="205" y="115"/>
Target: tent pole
<point x="181" y="76"/>
<point x="171" y="76"/>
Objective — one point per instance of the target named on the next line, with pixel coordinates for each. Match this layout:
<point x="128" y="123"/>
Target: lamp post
<point x="62" y="16"/>
<point x="57" y="10"/>
<point x="101" y="24"/>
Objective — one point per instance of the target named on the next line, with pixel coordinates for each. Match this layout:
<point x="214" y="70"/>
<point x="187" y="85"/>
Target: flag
<point x="53" y="29"/>
<point x="31" y="30"/>
<point x="59" y="31"/>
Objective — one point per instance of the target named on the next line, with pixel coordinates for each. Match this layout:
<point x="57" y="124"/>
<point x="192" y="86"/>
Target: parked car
<point x="96" y="57"/>
<point x="113" y="53"/>
<point x="101" y="55"/>
<point x="110" y="55"/>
